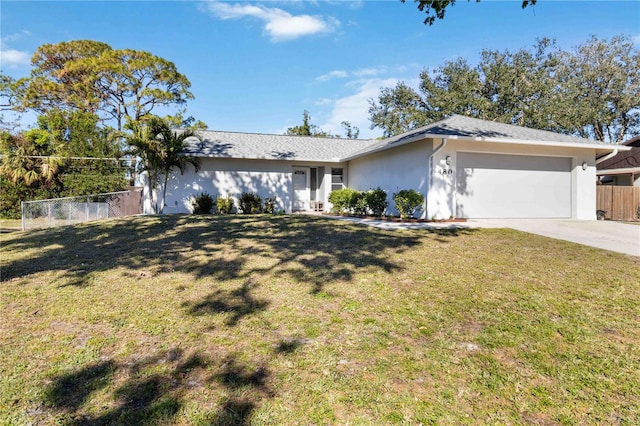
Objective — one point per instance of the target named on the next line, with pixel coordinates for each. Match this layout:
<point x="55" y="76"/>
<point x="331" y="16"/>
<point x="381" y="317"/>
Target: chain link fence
<point x="69" y="210"/>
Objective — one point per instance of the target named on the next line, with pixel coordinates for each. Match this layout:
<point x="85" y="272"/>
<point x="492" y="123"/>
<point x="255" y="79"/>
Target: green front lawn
<point x="307" y="320"/>
<point x="8" y="225"/>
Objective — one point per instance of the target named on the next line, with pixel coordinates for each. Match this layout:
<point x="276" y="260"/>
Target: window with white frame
<point x="337" y="178"/>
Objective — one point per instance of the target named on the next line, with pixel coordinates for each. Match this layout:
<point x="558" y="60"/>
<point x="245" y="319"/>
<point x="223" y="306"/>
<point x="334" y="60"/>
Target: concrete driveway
<point x="613" y="236"/>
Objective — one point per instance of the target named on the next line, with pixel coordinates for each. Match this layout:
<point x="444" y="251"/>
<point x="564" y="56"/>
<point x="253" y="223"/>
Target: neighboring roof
<point x="273" y="147"/>
<point x="627" y="161"/>
<point x="633" y="142"/>
<point x="461" y="127"/>
<point x="217" y="144"/>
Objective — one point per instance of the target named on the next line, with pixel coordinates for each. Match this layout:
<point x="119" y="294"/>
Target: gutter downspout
<point x="606" y="157"/>
<point x="430" y="175"/>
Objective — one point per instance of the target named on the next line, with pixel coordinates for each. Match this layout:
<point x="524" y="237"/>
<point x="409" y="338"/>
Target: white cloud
<point x="354" y="108"/>
<point x="15" y="36"/>
<point x="332" y="75"/>
<point x="13" y="58"/>
<point x="279" y="24"/>
<point x="351" y="4"/>
<point x="367" y="72"/>
<point x="323" y="101"/>
<point x="636" y="40"/>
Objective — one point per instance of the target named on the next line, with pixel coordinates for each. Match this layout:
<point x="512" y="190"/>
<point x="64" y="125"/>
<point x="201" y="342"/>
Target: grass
<point x="305" y="320"/>
<point x="7" y="225"/>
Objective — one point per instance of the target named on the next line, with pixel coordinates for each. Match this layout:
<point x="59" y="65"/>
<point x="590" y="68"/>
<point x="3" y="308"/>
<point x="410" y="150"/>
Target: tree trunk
<point x="164" y="192"/>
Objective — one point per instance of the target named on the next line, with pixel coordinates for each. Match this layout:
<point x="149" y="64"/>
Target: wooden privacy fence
<point x="618" y="202"/>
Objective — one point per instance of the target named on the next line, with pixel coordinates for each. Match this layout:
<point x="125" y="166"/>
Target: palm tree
<point x="29" y="157"/>
<point x="160" y="150"/>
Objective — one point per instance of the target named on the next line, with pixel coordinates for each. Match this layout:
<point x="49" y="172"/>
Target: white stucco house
<point x="465" y="168"/>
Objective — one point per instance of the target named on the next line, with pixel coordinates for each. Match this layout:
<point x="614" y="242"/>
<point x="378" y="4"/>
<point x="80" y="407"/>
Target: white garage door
<point x="512" y="186"/>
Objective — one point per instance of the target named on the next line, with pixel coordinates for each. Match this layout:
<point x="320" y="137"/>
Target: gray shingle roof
<point x="273" y="147"/>
<point x="461" y="127"/>
<point x="305" y="148"/>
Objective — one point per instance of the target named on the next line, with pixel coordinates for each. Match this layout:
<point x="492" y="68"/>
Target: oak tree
<point x="592" y="91"/>
<point x="435" y="9"/>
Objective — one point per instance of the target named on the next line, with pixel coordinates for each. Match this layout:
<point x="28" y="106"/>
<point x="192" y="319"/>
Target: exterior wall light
<point x="584" y="165"/>
<point x="448" y="160"/>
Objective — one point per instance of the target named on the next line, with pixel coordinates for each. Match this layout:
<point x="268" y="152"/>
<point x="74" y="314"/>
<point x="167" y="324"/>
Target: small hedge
<point x="270" y="205"/>
<point x="202" y="203"/>
<point x="250" y="203"/>
<point x="225" y="205"/>
<point x="376" y="201"/>
<point x="344" y="200"/>
<point x="408" y="201"/>
<point x="350" y="201"/>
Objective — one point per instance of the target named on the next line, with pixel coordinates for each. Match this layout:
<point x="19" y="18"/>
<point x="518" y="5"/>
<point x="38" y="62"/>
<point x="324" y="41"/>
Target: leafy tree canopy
<point x="67" y="154"/>
<point x="90" y="76"/>
<point x="592" y="91"/>
<point x="11" y="91"/>
<point x="435" y="9"/>
<point x="309" y="129"/>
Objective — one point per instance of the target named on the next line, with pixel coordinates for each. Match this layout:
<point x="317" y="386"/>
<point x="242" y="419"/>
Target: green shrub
<point x="344" y="200"/>
<point x="225" y="205"/>
<point x="270" y="205"/>
<point x="360" y="207"/>
<point x="407" y="202"/>
<point x="250" y="202"/>
<point x="202" y="203"/>
<point x="376" y="201"/>
<point x="351" y="201"/>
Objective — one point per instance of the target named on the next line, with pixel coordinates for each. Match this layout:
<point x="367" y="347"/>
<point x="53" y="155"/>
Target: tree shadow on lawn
<point x="313" y="250"/>
<point x="239" y="303"/>
<point x="145" y="396"/>
<point x="139" y="398"/>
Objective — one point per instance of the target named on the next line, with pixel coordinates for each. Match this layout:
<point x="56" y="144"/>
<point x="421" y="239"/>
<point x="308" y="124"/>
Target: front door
<point x="301" y="192"/>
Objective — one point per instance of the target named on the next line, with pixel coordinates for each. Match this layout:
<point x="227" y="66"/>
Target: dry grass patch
<point x="299" y="320"/>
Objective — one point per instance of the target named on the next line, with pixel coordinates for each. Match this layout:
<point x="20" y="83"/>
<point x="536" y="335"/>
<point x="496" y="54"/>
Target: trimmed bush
<point x="351" y="201"/>
<point x="407" y="202"/>
<point x="344" y="200"/>
<point x="376" y="201"/>
<point x="270" y="205"/>
<point x="360" y="207"/>
<point x="225" y="205"/>
<point x="250" y="203"/>
<point x="202" y="203"/>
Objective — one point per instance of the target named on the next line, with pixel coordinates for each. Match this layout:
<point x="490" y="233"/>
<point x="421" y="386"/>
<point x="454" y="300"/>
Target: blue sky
<point x="256" y="66"/>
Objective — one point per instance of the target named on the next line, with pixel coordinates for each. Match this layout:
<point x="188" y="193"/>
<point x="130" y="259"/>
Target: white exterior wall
<point x="442" y="201"/>
<point x="407" y="167"/>
<point x="226" y="176"/>
<point x="583" y="203"/>
<point x="404" y="167"/>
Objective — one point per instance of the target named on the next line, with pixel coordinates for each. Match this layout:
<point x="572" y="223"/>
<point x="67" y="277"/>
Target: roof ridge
<point x="519" y="127"/>
<point x="283" y="135"/>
